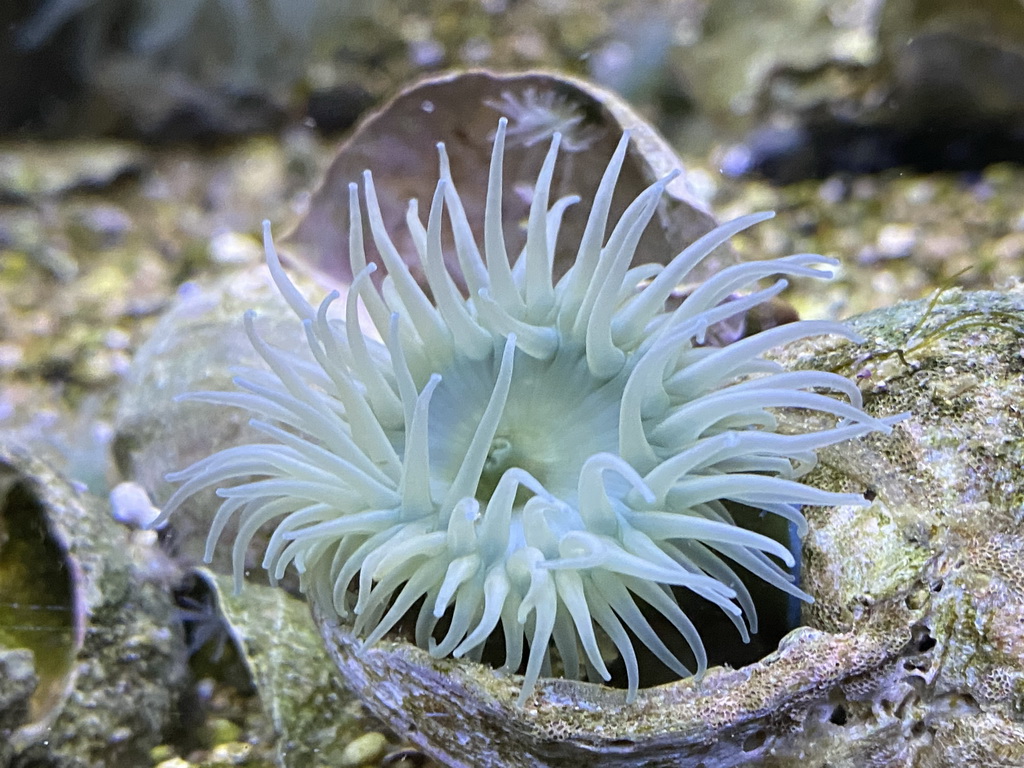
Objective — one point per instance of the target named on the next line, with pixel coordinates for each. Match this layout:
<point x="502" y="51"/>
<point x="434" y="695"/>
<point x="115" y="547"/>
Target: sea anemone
<point x="554" y="458"/>
<point x="537" y="116"/>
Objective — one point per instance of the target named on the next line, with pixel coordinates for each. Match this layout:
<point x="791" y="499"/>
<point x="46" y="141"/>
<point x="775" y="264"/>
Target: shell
<point x="913" y="652"/>
<point x="461" y="109"/>
<point x="96" y="661"/>
<point x="194" y="347"/>
<point x="313" y="717"/>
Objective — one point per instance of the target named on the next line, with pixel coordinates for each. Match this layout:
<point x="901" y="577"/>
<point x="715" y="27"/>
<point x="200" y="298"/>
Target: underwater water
<point x="143" y="145"/>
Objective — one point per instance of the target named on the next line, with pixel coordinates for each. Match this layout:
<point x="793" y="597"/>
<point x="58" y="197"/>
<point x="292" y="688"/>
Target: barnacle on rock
<point x="553" y="458"/>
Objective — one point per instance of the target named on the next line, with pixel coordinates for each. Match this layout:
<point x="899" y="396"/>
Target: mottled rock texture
<point x="912" y="653"/>
<point x="107" y="680"/>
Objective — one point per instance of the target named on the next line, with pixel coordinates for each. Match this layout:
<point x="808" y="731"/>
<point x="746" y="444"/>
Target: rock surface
<point x="110" y="667"/>
<point x="913" y="651"/>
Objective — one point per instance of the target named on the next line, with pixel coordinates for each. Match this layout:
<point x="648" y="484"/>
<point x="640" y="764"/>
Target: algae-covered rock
<point x="913" y="651"/>
<point x="313" y="717"/>
<point x="86" y="629"/>
<point x="198" y="346"/>
<point x="18" y="681"/>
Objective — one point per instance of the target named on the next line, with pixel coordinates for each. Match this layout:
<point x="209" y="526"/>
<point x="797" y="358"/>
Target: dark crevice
<point x="816" y="150"/>
<point x="839" y="715"/>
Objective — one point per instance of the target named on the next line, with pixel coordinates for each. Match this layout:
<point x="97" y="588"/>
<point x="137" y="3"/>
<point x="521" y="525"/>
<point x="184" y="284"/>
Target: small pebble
<point x="231" y="753"/>
<point x="896" y="241"/>
<point x="368" y="749"/>
<point x="234" y="248"/>
<point x="222" y="731"/>
<point x="131" y="505"/>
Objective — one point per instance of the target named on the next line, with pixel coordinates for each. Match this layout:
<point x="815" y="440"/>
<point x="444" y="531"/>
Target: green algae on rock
<point x="109" y="664"/>
<point x="313" y="717"/>
<point x="912" y="653"/>
<point x="195" y="346"/>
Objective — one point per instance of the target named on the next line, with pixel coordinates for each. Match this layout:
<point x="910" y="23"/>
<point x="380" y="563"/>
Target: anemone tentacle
<point x="544" y="456"/>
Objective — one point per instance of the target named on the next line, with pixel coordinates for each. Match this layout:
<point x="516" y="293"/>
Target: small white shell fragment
<point x="364" y="750"/>
<point x="131" y="505"/>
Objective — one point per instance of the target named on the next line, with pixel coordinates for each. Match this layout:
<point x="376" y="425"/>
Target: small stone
<point x="222" y="732"/>
<point x="896" y="241"/>
<point x="365" y="750"/>
<point x="230" y="753"/>
<point x="234" y="248"/>
<point x="101" y="227"/>
<point x="131" y="505"/>
<point x="162" y="753"/>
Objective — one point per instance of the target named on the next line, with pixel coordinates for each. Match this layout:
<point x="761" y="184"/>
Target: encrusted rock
<point x="92" y="624"/>
<point x="913" y="651"/>
<point x="195" y="347"/>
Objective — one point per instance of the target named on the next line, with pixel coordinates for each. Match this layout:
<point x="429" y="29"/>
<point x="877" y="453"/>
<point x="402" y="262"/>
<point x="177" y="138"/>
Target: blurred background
<point x="143" y="141"/>
<point x="815" y="87"/>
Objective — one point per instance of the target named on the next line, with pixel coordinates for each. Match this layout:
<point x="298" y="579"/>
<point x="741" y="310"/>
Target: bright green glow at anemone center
<point x="503" y="456"/>
<point x="556" y="415"/>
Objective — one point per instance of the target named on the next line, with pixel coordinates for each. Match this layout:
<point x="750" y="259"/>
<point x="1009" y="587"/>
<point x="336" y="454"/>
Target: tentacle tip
<point x="157" y="523"/>
<point x="899" y="418"/>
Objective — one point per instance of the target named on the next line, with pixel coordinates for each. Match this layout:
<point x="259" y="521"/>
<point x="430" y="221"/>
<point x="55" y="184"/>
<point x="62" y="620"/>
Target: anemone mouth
<point x="555" y="416"/>
<point x="552" y="464"/>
